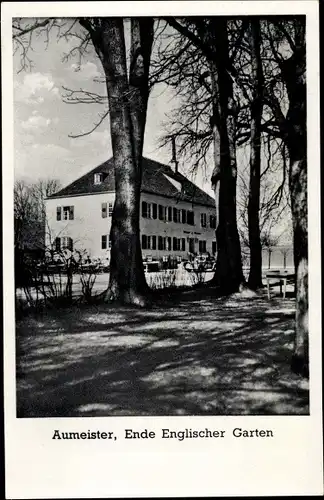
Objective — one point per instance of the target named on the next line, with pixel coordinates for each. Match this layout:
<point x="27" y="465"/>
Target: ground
<point x="193" y="354"/>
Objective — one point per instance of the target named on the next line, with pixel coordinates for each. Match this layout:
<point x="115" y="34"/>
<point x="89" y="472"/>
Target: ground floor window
<point x="202" y="246"/>
<point x="63" y="243"/>
<point x="105" y="242"/>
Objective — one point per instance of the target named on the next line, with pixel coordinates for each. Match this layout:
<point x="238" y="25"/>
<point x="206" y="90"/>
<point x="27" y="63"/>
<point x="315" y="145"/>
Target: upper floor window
<point x="149" y="210"/>
<point x="65" y="213"/>
<point x="212" y="221"/>
<point x="144" y="209"/>
<point x="203" y="220"/>
<point x="98" y="178"/>
<point x="176" y="215"/>
<point x="104" y="210"/>
<point x="68" y="213"/>
<point x="162" y="212"/>
<point x="110" y="209"/>
<point x="190" y="218"/>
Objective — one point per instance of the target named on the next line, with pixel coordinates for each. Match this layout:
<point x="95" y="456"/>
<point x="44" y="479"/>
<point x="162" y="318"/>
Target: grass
<point x="197" y="354"/>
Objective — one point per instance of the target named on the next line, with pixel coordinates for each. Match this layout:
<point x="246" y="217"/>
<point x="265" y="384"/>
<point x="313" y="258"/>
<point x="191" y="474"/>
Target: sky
<point x="43" y="122"/>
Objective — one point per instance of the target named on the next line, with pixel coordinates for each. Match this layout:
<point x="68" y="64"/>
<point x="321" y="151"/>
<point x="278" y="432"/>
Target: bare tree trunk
<point x="298" y="191"/>
<point x="293" y="71"/>
<point x="229" y="271"/>
<point x="127" y="105"/>
<point x="255" y="275"/>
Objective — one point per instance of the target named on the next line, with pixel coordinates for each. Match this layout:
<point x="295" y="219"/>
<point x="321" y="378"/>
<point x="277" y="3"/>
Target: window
<point x="161" y="243"/>
<point x="144" y="209"/>
<point x="98" y="178"/>
<point x="144" y="242"/>
<point x="67" y="243"/>
<point x="169" y="243"/>
<point x="184" y="216"/>
<point x="175" y="215"/>
<point x="58" y="213"/>
<point x="202" y="246"/>
<point x="154" y="211"/>
<point x="148" y="243"/>
<point x="183" y="244"/>
<point x="110" y="209"/>
<point x="190" y="218"/>
<point x="57" y="244"/>
<point x="103" y="210"/>
<point x="104" y="242"/>
<point x="149" y="210"/>
<point x="212" y="221"/>
<point x="169" y="211"/>
<point x="161" y="212"/>
<point x="68" y="213"/>
<point x="191" y="245"/>
<point x="203" y="220"/>
<point x="214" y="247"/>
<point x="153" y="242"/>
<point x="176" y="244"/>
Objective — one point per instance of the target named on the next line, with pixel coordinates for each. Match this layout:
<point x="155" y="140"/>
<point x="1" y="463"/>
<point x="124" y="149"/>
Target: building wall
<point x="88" y="225"/>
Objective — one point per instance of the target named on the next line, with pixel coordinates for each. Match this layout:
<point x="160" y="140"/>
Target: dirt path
<point x="200" y="356"/>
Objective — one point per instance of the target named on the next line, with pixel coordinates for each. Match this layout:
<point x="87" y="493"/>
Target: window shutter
<point x="183" y="245"/>
<point x="175" y="243"/>
<point x="103" y="210"/>
<point x="144" y="209"/>
<point x="71" y="244"/>
<point x="110" y="209"/>
<point x="104" y="242"/>
<point x="161" y="212"/>
<point x="153" y="242"/>
<point x="154" y="211"/>
<point x="144" y="242"/>
<point x="72" y="212"/>
<point x="58" y="213"/>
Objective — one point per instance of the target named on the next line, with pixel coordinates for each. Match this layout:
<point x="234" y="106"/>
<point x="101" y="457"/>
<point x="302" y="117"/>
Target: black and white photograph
<point x="160" y="206"/>
<point x="161" y="219"/>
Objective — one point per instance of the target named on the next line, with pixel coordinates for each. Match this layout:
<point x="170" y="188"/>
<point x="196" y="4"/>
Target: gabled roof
<point x="154" y="180"/>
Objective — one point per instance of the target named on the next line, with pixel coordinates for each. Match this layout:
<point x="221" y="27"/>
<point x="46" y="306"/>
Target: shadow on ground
<point x="198" y="356"/>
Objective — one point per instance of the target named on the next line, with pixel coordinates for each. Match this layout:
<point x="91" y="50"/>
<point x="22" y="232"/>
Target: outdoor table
<point x="280" y="275"/>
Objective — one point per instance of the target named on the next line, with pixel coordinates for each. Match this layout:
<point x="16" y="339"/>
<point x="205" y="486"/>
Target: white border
<point x="291" y="464"/>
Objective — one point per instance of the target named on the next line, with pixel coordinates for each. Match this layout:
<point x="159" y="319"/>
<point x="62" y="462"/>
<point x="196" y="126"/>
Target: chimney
<point x="174" y="154"/>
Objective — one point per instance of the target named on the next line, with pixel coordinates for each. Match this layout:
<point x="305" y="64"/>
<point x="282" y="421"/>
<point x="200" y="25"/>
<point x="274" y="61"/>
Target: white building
<point x="176" y="217"/>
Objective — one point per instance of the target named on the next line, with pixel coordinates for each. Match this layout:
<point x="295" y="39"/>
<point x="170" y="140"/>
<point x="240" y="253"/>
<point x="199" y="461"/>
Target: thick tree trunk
<point x="127" y="106"/>
<point x="294" y="74"/>
<point x="255" y="275"/>
<point x="298" y="191"/>
<point x="229" y="272"/>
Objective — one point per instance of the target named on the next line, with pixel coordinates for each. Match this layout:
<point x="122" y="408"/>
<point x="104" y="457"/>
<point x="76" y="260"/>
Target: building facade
<point x="177" y="219"/>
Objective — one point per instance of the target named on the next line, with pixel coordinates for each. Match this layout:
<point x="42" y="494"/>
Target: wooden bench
<point x="282" y="276"/>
